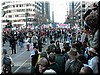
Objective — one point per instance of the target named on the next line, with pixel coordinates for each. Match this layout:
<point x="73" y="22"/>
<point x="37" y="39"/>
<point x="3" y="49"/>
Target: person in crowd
<point x="73" y="65"/>
<point x="86" y="51"/>
<point x="13" y="44"/>
<point x="44" y="54"/>
<point x="78" y="46"/>
<point x="21" y="41"/>
<point x="65" y="35"/>
<point x="86" y="70"/>
<point x="55" y="35"/>
<point x="57" y="47"/>
<point x="42" y="65"/>
<point x="82" y="58"/>
<point x="7" y="63"/>
<point x="52" y="64"/>
<point x="91" y="21"/>
<point x="51" y="35"/>
<point x="40" y="44"/>
<point x="65" y="47"/>
<point x="83" y="36"/>
<point x="27" y="43"/>
<point x="51" y="47"/>
<point x="30" y="35"/>
<point x="93" y="61"/>
<point x="4" y="40"/>
<point x="34" y="40"/>
<point x="34" y="58"/>
<point x="60" y="59"/>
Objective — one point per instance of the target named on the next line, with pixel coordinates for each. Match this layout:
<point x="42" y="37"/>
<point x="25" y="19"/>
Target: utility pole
<point x="52" y="16"/>
<point x="26" y="15"/>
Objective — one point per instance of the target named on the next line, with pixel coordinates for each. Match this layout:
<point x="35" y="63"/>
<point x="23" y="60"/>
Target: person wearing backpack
<point x="7" y="63"/>
<point x="73" y="65"/>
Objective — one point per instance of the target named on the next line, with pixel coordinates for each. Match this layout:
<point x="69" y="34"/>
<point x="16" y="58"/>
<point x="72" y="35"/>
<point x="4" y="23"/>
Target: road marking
<point x="20" y="66"/>
<point x="19" y="55"/>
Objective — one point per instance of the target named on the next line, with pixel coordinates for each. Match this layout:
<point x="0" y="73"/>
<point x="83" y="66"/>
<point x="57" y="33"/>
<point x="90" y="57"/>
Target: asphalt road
<point x="21" y="59"/>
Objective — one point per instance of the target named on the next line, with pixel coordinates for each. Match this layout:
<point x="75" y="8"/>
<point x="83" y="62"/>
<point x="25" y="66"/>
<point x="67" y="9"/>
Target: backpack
<point x="6" y="69"/>
<point x="7" y="65"/>
<point x="6" y="60"/>
<point x="74" y="67"/>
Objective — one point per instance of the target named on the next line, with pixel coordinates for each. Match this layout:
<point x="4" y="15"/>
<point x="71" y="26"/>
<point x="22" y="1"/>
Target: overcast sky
<point x="60" y="10"/>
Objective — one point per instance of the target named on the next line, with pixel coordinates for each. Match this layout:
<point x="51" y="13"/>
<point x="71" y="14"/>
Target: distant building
<point x="46" y="11"/>
<point x="79" y="11"/>
<point x="19" y="11"/>
<point x="80" y="7"/>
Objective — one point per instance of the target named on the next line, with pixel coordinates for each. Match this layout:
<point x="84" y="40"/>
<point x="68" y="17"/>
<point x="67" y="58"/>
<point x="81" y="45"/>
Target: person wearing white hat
<point x="93" y="61"/>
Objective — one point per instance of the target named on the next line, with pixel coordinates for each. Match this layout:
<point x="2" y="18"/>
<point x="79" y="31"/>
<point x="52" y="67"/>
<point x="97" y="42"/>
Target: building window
<point x="15" y="20"/>
<point x="23" y="10"/>
<point x="3" y="3"/>
<point x="9" y="11"/>
<point x="30" y="9"/>
<point x="13" y="6"/>
<point x="10" y="16"/>
<point x="27" y="4"/>
<point x="16" y="5"/>
<point x="33" y="4"/>
<point x="26" y="9"/>
<point x="16" y="15"/>
<point x="83" y="5"/>
<point x="33" y="9"/>
<point x="20" y="5"/>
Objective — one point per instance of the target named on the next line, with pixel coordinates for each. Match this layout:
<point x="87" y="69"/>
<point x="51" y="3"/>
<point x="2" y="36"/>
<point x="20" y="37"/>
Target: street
<point x="31" y="27"/>
<point x="21" y="59"/>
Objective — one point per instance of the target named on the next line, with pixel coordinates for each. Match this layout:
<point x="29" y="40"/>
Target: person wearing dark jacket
<point x="34" y="58"/>
<point x="51" y="47"/>
<point x="52" y="64"/>
<point x="58" y="50"/>
<point x="40" y="43"/>
<point x="60" y="59"/>
<point x="13" y="44"/>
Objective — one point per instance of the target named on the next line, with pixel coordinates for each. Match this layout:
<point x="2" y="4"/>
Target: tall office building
<point x="46" y="12"/>
<point x="71" y="13"/>
<point x="79" y="11"/>
<point x="21" y="13"/>
<point x="71" y="8"/>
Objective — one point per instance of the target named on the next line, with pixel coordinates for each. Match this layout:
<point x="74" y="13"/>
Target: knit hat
<point x="43" y="61"/>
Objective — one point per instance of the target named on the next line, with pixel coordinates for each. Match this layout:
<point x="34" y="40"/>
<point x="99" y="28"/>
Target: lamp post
<point x="26" y="15"/>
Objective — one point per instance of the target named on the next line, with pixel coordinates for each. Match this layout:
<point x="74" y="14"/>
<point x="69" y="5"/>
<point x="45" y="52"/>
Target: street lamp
<point x="26" y="15"/>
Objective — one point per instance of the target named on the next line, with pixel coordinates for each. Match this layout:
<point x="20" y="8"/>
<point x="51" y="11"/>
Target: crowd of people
<point x="79" y="54"/>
